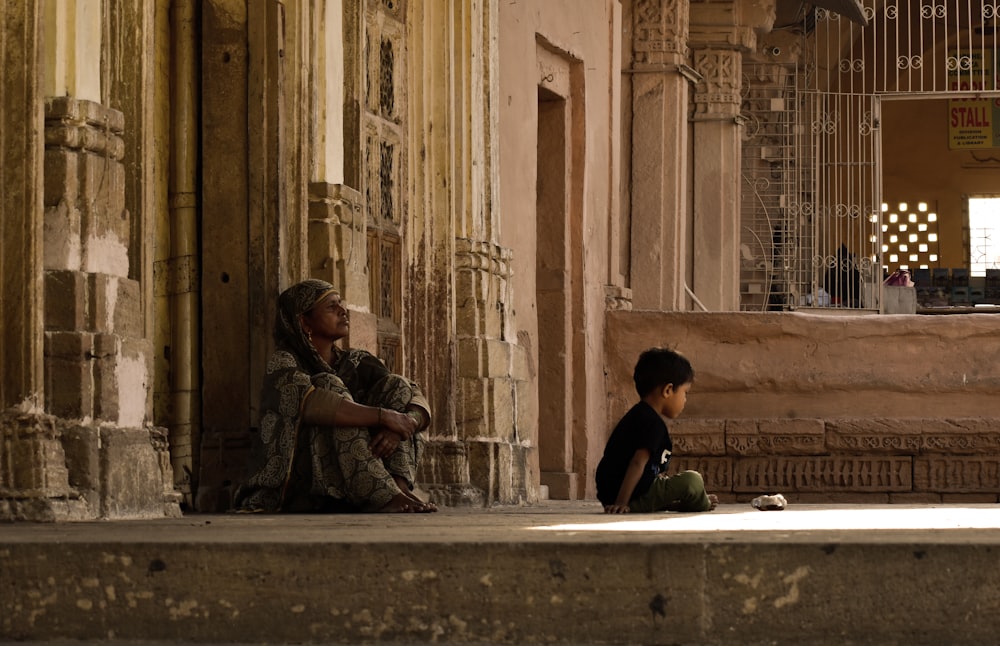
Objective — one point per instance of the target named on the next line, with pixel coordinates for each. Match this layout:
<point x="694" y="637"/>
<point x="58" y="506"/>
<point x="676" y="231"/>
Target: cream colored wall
<point x="918" y="165"/>
<point x="585" y="30"/>
<point x="72" y="35"/>
<point x="328" y="65"/>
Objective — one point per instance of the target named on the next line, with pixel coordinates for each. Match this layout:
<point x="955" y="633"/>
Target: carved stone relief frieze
<point x="823" y="474"/>
<point x="776" y="436"/>
<point x="717" y="472"/>
<point x="718" y="93"/>
<point x="957" y="474"/>
<point x="841" y="457"/>
<point x="660" y="31"/>
<point x="698" y="436"/>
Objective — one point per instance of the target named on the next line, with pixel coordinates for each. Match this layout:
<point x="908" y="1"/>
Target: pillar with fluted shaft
<point x="720" y="33"/>
<point x="460" y="288"/>
<point x="660" y="94"/>
<point x="76" y="439"/>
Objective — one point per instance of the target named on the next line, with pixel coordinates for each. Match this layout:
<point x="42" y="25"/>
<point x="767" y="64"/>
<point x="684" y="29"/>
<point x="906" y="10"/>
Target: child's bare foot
<point x="713" y="501"/>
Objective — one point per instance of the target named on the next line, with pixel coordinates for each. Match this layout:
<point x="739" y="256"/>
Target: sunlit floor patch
<point x="803" y="518"/>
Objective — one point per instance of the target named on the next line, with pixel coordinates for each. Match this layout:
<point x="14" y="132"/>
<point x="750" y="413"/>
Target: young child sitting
<point x="632" y="475"/>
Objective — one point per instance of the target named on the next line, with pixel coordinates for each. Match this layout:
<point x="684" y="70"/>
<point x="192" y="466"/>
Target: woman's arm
<point x="361" y="369"/>
<point x="632" y="475"/>
<point x="326" y="408"/>
<point x="419" y="408"/>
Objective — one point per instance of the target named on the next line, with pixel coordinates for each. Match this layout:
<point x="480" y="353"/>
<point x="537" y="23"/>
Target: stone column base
<point x="47" y="510"/>
<point x="476" y="473"/>
<point x="455" y="495"/>
<point x="54" y="470"/>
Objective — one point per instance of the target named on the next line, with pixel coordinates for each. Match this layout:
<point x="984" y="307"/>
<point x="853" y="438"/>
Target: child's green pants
<point x="682" y="492"/>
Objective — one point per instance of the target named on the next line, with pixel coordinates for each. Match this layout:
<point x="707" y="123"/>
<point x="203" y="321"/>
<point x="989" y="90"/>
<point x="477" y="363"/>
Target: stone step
<point x="554" y="573"/>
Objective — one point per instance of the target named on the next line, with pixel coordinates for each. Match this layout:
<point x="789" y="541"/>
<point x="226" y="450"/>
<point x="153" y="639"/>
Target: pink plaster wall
<point x="585" y="32"/>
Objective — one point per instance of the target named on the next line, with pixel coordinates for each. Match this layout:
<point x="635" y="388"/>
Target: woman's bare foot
<point x="399" y="504"/>
<point x="418" y="505"/>
<point x="713" y="500"/>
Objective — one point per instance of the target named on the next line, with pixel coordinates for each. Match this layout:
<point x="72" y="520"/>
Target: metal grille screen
<point x="812" y="199"/>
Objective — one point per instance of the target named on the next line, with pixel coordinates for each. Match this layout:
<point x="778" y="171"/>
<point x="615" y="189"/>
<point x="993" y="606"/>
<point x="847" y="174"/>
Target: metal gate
<point x="814" y="230"/>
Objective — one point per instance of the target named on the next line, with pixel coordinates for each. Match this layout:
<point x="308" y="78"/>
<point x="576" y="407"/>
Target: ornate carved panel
<point x="717" y="472"/>
<point x="385" y="277"/>
<point x="823" y="474"/>
<point x="661" y="28"/>
<point x="957" y="475"/>
<point x="384" y="158"/>
<point x="775" y="436"/>
<point x="698" y="436"/>
<point x="719" y="90"/>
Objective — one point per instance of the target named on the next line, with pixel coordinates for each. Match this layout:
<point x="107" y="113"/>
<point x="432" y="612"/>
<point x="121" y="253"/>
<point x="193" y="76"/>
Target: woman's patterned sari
<point x="298" y="467"/>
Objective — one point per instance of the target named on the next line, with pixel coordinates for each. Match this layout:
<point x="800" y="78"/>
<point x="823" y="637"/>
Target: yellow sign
<point x="973" y="123"/>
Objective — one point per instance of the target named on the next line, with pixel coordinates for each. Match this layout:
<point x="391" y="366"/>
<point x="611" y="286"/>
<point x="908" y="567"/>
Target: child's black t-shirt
<point x="641" y="427"/>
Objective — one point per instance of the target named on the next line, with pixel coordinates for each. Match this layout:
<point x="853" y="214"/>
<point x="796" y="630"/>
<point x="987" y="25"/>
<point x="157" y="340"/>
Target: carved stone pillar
<point x="75" y="440"/>
<point x="716" y="198"/>
<point x="492" y="375"/>
<point x="33" y="472"/>
<point x="21" y="139"/>
<point x="459" y="295"/>
<point x="659" y="166"/>
<point x="720" y="33"/>
<point x="97" y="359"/>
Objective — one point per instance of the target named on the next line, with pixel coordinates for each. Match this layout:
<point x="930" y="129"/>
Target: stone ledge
<point x="811" y="366"/>
<point x="526" y="576"/>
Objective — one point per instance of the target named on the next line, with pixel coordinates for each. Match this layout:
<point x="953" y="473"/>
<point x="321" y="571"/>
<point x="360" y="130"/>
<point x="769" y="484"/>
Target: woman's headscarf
<point x="292" y="303"/>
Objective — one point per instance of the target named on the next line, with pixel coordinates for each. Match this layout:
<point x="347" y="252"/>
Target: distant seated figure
<point x="338" y="431"/>
<point x="843" y="280"/>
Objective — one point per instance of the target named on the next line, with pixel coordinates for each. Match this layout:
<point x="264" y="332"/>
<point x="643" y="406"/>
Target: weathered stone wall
<point x="878" y="408"/>
<point x="53" y="469"/>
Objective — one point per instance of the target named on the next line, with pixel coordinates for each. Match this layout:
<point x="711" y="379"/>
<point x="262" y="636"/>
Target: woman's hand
<point x="616" y="509"/>
<point x="399" y="423"/>
<point x="384" y="443"/>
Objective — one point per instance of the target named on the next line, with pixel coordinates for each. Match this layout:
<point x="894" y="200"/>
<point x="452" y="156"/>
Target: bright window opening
<point x="984" y="230"/>
<point x="908" y="236"/>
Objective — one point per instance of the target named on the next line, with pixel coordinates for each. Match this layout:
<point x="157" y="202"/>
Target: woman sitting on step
<point x="338" y="431"/>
